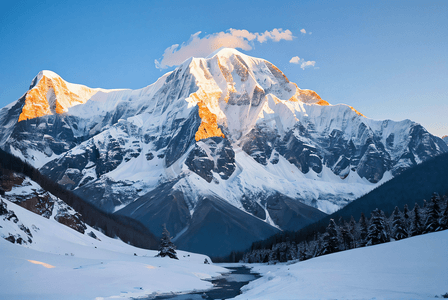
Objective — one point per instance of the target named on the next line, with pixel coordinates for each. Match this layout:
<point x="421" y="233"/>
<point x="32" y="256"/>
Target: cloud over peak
<point x="232" y="38"/>
<point x="303" y="63"/>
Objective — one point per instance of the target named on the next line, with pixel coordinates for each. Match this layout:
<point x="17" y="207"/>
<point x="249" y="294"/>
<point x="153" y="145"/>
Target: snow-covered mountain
<point x="445" y="139"/>
<point x="225" y="150"/>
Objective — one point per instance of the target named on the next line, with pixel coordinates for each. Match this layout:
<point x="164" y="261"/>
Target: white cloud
<point x="306" y="64"/>
<point x="303" y="63"/>
<point x="295" y="60"/>
<point x="303" y="30"/>
<point x="232" y="38"/>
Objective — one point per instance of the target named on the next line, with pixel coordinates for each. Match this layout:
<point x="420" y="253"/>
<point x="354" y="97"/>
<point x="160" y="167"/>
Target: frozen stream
<point x="225" y="287"/>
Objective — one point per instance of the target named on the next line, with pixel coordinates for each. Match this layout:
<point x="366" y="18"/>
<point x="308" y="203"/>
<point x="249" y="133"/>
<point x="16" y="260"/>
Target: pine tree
<point x="423" y="211"/>
<point x="167" y="248"/>
<point x="291" y="253"/>
<point x="330" y="239"/>
<point x="443" y="221"/>
<point x="273" y="254"/>
<point x="406" y="221"/>
<point x="387" y="223"/>
<point x="346" y="237"/>
<point x="432" y="215"/>
<point x="398" y="231"/>
<point x="354" y="232"/>
<point x="303" y="251"/>
<point x="416" y="223"/>
<point x="363" y="229"/>
<point x="377" y="233"/>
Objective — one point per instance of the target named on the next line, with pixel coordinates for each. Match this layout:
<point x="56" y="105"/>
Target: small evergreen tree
<point x="167" y="248"/>
<point x="273" y="254"/>
<point x="444" y="218"/>
<point x="416" y="223"/>
<point x="291" y="253"/>
<point x="363" y="229"/>
<point x="406" y="221"/>
<point x="330" y="239"/>
<point x="346" y="237"/>
<point x="423" y="212"/>
<point x="317" y="245"/>
<point x="432" y="215"/>
<point x="398" y="231"/>
<point x="303" y="251"/>
<point x="377" y="232"/>
<point x="353" y="228"/>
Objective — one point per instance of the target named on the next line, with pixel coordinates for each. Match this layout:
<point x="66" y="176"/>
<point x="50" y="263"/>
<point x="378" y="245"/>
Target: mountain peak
<point x="236" y="90"/>
<point x="224" y="51"/>
<point x="50" y="94"/>
<point x="47" y="73"/>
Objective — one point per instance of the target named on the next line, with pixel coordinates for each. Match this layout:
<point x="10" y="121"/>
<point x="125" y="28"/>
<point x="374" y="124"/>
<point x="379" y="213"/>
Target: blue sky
<point x="388" y="59"/>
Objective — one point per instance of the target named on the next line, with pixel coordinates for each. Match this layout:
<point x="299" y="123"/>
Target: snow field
<point x="414" y="268"/>
<point x="62" y="263"/>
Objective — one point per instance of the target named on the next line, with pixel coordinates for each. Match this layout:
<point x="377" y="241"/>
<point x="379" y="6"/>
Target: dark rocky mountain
<point x="226" y="142"/>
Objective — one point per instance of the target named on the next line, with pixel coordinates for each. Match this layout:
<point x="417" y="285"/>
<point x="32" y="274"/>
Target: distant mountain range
<point x="224" y="150"/>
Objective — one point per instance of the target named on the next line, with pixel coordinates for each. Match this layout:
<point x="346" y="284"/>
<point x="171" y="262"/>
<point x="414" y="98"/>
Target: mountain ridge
<point x="228" y="127"/>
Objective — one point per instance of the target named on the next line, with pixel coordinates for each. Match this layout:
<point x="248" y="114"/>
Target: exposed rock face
<point x="70" y="218"/>
<point x="24" y="192"/>
<point x="229" y="128"/>
<point x="15" y="232"/>
<point x="212" y="154"/>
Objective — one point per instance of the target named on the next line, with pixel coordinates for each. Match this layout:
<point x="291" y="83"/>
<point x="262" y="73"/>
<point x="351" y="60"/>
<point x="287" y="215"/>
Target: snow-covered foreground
<point x="414" y="268"/>
<point x="62" y="263"/>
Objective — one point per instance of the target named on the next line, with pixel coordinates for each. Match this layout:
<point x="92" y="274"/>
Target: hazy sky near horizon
<point x="388" y="59"/>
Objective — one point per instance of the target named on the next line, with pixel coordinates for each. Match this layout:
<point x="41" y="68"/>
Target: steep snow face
<point x="445" y="139"/>
<point x="229" y="127"/>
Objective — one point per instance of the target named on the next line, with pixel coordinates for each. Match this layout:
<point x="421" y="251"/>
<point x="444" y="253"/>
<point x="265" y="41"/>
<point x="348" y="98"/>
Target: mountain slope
<point x="231" y="126"/>
<point x="413" y="268"/>
<point x="412" y="186"/>
<point x="25" y="186"/>
<point x="62" y="263"/>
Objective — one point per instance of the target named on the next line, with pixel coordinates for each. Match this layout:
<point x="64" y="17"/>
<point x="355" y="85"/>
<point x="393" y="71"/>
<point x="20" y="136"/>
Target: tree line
<point x="343" y="235"/>
<point x="127" y="229"/>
